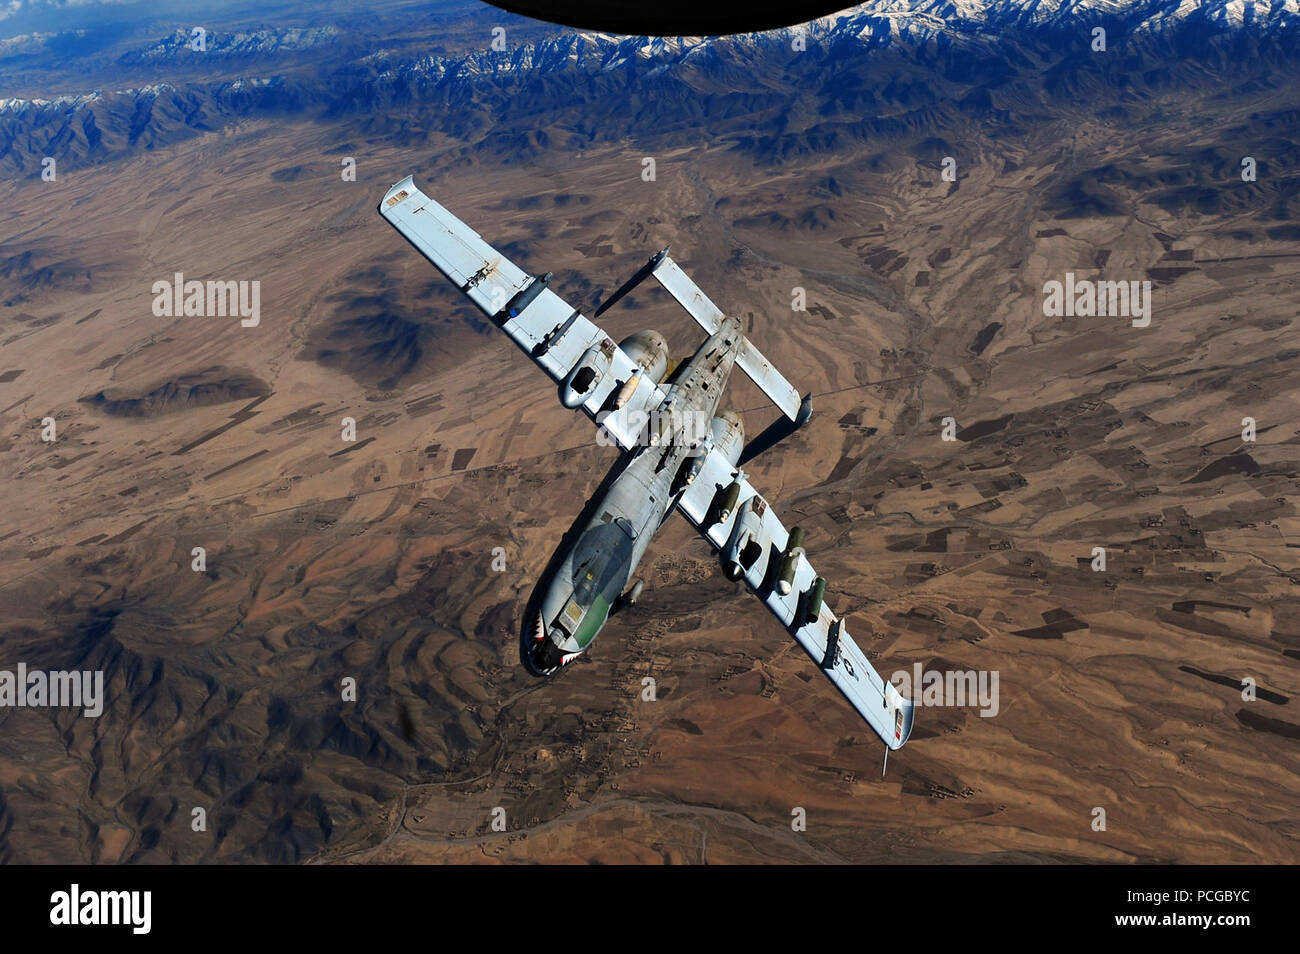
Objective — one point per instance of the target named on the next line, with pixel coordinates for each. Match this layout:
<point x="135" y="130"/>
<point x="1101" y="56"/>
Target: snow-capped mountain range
<point x="997" y="38"/>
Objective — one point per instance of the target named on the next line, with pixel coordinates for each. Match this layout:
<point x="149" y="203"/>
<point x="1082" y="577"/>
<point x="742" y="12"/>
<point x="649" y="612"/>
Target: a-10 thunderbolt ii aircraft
<point x="669" y="459"/>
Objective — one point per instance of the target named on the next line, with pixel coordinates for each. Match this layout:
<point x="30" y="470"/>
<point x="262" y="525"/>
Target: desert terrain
<point x="372" y="559"/>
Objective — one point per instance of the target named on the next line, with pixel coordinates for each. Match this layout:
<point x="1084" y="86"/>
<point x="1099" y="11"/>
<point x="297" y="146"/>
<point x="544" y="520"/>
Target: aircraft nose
<point x="544" y="656"/>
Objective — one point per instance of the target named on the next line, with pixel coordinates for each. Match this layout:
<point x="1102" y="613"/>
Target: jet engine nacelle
<point x="649" y="351"/>
<point x="728" y="435"/>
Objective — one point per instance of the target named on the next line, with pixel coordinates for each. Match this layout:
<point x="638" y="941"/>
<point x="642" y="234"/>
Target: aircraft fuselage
<point x="589" y="577"/>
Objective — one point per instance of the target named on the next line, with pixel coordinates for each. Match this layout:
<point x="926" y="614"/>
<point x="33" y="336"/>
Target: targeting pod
<point x="790" y="561"/>
<point x="813" y="603"/>
<point x="727" y="505"/>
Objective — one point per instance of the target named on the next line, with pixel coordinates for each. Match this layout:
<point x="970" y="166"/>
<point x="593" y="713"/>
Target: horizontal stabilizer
<point x="750" y="359"/>
<point x="772" y="383"/>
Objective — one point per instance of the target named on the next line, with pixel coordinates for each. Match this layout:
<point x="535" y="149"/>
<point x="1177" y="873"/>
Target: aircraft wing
<point x="825" y="638"/>
<point x="545" y="327"/>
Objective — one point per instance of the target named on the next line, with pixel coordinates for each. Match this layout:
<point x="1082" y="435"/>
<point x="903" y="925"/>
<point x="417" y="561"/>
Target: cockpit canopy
<point x="600" y="568"/>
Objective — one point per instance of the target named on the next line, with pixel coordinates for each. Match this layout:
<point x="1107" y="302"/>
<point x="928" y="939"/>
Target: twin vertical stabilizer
<point x="709" y="316"/>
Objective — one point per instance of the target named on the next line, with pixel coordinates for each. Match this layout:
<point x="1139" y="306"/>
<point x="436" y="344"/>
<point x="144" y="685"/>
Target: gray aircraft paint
<point x="612" y="544"/>
<point x="595" y="375"/>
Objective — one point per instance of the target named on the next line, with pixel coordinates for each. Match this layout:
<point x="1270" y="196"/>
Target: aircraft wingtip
<point x="397" y="191"/>
<point x="805" y="410"/>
